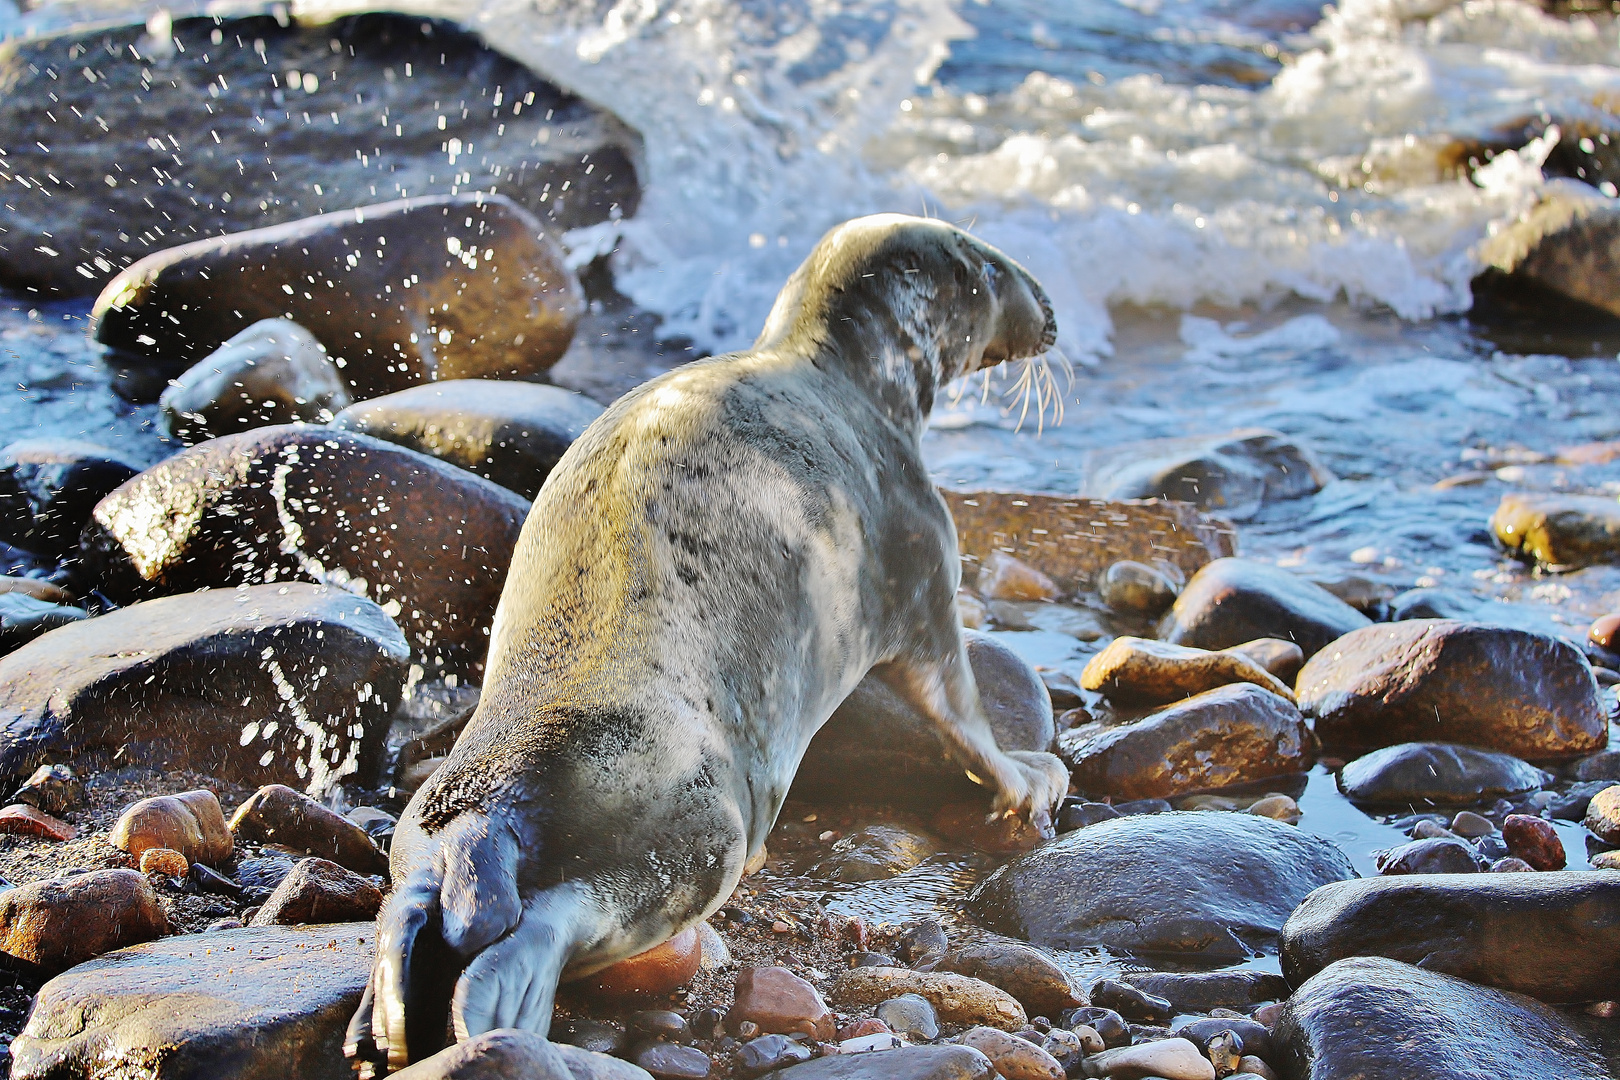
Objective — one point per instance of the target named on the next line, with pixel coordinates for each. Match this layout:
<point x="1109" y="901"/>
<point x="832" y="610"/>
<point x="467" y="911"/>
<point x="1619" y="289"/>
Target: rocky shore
<point x="233" y="645"/>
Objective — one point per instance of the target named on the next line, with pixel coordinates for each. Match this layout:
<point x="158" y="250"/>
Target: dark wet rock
<point x="592" y="1035"/>
<point x="874" y="853"/>
<point x="1435" y="774"/>
<point x="1554" y="936"/>
<point x="903" y="758"/>
<point x="1027" y="974"/>
<point x="319" y="891"/>
<point x="22" y="619"/>
<point x="51" y="925"/>
<point x="1435" y="855"/>
<point x="1143" y="806"/>
<point x="507" y="311"/>
<point x="1493" y="686"/>
<point x="1131" y="1002"/>
<point x="1137" y="671"/>
<point x="1603" y="765"/>
<point x="251" y="1004"/>
<point x="1281" y="658"/>
<point x="907" y="1063"/>
<point x="1076" y="813"/>
<point x="1603" y="815"/>
<point x="1535" y="841"/>
<point x="211" y="881"/>
<point x="1568" y="244"/>
<point x="53" y="486"/>
<point x="185" y="682"/>
<point x="276" y="814"/>
<point x="1135" y="588"/>
<point x="1232" y="601"/>
<point x="510" y="1054"/>
<point x="922" y="943"/>
<point x="377" y="824"/>
<point x="1167" y="1059"/>
<point x="668" y="1061"/>
<point x="155" y="110"/>
<point x="1559" y="530"/>
<point x="273" y="372"/>
<point x="1233" y="473"/>
<point x="761" y="1055"/>
<point x="1369" y="1018"/>
<point x="957" y="999"/>
<point x="1230" y="735"/>
<point x="428" y="541"/>
<point x="191" y="823"/>
<point x="909" y="1015"/>
<point x="1571" y="805"/>
<point x="54" y="789"/>
<point x="509" y="432"/>
<point x="1189" y="884"/>
<point x="971" y="824"/>
<point x="264" y="872"/>
<point x="1201" y="991"/>
<point x="1105" y="1022"/>
<point x="1253" y="1038"/>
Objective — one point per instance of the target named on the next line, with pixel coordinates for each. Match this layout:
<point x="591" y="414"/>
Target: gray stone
<point x="874" y="853"/>
<point x="1167" y="1059"/>
<point x="1217" y="886"/>
<point x="907" y="1063"/>
<point x="1201" y="991"/>
<point x="1435" y="774"/>
<point x="273" y="372"/>
<point x="208" y="682"/>
<point x="510" y="1054"/>
<point x="1369" y="1018"/>
<point x="1234" y="473"/>
<point x="1434" y="855"/>
<point x="1232" y="601"/>
<point x="1603" y="765"/>
<point x="910" y="1015"/>
<point x="249" y="1004"/>
<point x="161" y="105"/>
<point x="1553" y="935"/>
<point x="509" y="432"/>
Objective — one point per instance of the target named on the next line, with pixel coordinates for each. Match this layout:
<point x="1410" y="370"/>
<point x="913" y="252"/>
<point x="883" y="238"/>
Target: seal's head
<point x="916" y="301"/>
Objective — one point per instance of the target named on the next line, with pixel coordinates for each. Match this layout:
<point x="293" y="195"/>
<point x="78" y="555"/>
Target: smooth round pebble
<point x="910" y="1014"/>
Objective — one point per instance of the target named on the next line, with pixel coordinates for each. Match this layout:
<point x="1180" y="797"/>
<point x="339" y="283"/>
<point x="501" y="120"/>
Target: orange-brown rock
<point x="1002" y="577"/>
<point x="653" y="973"/>
<point x="1557" y="529"/>
<point x="972" y="823"/>
<point x="1133" y="670"/>
<point x="276" y="814"/>
<point x="191" y="823"/>
<point x="779" y="1002"/>
<point x="1282" y="658"/>
<point x="39" y="590"/>
<point x="958" y="999"/>
<point x="162" y="860"/>
<point x="319" y="891"/>
<point x="53" y="925"/>
<point x="20" y="819"/>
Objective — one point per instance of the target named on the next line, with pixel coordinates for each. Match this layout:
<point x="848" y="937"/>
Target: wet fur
<point x="705" y="576"/>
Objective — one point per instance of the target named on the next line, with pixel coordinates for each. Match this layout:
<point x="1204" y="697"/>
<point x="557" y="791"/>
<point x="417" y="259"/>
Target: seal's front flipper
<point x="409" y="992"/>
<point x="513" y="983"/>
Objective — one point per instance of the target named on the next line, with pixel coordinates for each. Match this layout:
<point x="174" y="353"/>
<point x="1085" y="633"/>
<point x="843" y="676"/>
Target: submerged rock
<point x="1233" y="601"/>
<point x="1134" y="670"/>
<point x="1558" y="530"/>
<point x="902" y="756"/>
<point x="490" y="294"/>
<point x="1230" y="735"/>
<point x="1493" y="686"/>
<point x="1368" y="1018"/>
<point x="209" y="134"/>
<point x="206" y="682"/>
<point x="1435" y="774"/>
<point x="274" y="372"/>
<point x="874" y="853"/>
<point x="250" y="1003"/>
<point x="1233" y="473"/>
<point x="1553" y="935"/>
<point x="509" y="432"/>
<point x="428" y="541"/>
<point x="51" y="925"/>
<point x="1217" y="886"/>
<point x="49" y="487"/>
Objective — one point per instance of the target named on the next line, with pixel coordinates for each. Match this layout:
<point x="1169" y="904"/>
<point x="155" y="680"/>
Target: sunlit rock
<point x="274" y="372"/>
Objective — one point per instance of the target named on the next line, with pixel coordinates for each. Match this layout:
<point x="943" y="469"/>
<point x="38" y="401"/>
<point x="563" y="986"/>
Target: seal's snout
<point x="1025" y="325"/>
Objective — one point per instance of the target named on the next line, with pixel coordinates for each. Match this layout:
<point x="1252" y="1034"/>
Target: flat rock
<point x="1201" y="991"/>
<point x="1168" y="1059"/>
<point x="20" y="819"/>
<point x="276" y="814"/>
<point x="273" y="372"/>
<point x="211" y="137"/>
<point x="1219" y="886"/>
<point x="1522" y="693"/>
<point x="49" y="487"/>
<point x="207" y="681"/>
<point x="490" y="295"/>
<point x="1232" y="601"/>
<point x="1028" y="974"/>
<point x="51" y="925"/>
<point x="428" y="541"/>
<point x="1435" y="774"/>
<point x="902" y="757"/>
<point x="1369" y="1018"/>
<point x="192" y="823"/>
<point x="249" y="1004"/>
<point x="1233" y="473"/>
<point x="1138" y="671"/>
<point x="319" y="891"/>
<point x="1553" y="935"/>
<point x="907" y="1063"/>
<point x="509" y="432"/>
<point x="1229" y="735"/>
<point x="957" y="999"/>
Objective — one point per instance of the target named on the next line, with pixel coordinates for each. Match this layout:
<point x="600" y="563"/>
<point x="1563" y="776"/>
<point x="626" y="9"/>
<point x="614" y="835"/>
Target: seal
<point x="708" y="572"/>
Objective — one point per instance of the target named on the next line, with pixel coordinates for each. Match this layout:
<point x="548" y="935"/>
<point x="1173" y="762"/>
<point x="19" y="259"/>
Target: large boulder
<point x="140" y="138"/>
<point x="1369" y="1018"/>
<point x="878" y="748"/>
<point x="427" y="541"/>
<point x="1557" y="530"/>
<point x="258" y="1003"/>
<point x="48" y="488"/>
<point x="1208" y="886"/>
<point x="1234" y="472"/>
<point x="1233" y="601"/>
<point x="288" y="683"/>
<point x="274" y="372"/>
<point x="1553" y="935"/>
<point x="1435" y="774"/>
<point x="509" y="432"/>
<point x="1439" y="679"/>
<point x="440" y="287"/>
<point x="1230" y="735"/>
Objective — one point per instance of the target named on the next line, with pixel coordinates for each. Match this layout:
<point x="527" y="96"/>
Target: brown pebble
<point x="856" y="1029"/>
<point x="1003" y="577"/>
<point x="1605" y="632"/>
<point x="278" y="814"/>
<point x="1534" y="840"/>
<point x="653" y="973"/>
<point x="1013" y="1057"/>
<point x="780" y="1003"/>
<point x="162" y="860"/>
<point x="1511" y="865"/>
<point x="20" y="819"/>
<point x="319" y="891"/>
<point x="191" y="823"/>
<point x="1603" y="815"/>
<point x="55" y="924"/>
